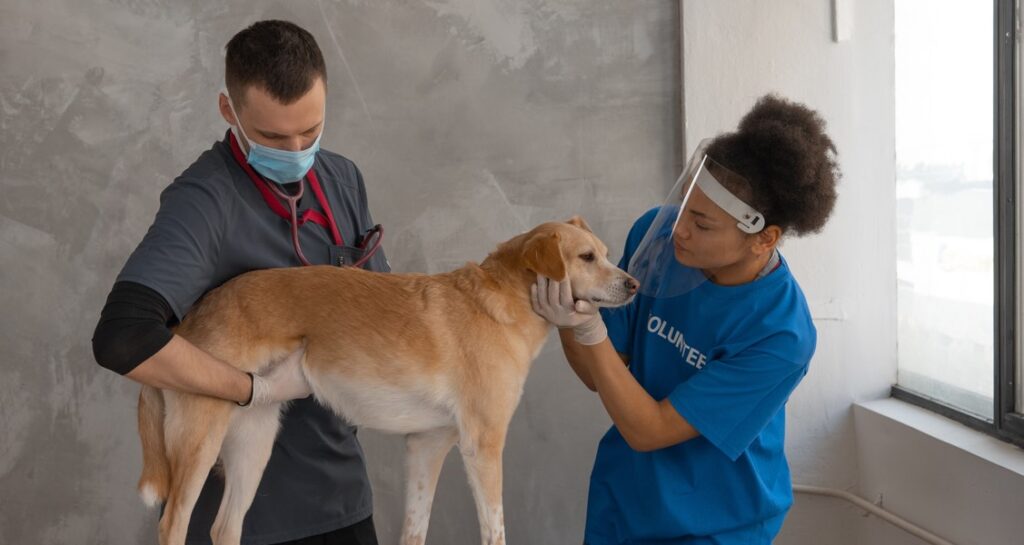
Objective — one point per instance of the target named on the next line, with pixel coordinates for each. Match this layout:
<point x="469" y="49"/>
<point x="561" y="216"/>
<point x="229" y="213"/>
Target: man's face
<point x="289" y="127"/>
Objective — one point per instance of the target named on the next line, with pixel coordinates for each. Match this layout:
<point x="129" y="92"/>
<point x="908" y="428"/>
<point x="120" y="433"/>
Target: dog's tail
<point x="156" y="470"/>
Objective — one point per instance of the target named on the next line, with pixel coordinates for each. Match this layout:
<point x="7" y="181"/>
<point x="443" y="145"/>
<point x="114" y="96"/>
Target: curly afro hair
<point x="781" y="148"/>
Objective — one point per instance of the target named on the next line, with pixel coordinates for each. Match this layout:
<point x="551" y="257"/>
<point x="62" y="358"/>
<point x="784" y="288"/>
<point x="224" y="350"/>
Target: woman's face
<point x="706" y="237"/>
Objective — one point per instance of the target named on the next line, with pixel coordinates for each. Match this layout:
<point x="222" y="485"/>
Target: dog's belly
<point x="379" y="405"/>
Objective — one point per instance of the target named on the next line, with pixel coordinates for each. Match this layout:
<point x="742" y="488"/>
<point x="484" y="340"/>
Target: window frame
<point x="1008" y="422"/>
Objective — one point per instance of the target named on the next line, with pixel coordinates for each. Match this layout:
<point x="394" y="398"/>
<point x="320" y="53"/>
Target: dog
<point x="439" y="358"/>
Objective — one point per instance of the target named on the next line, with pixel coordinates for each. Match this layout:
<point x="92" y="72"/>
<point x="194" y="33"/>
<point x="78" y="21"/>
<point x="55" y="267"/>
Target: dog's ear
<point x="542" y="254"/>
<point x="578" y="221"/>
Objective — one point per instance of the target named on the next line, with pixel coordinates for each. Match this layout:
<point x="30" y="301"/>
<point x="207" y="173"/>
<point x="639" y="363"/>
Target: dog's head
<point x="571" y="250"/>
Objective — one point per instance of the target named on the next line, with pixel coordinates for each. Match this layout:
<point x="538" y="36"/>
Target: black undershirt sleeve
<point x="133" y="326"/>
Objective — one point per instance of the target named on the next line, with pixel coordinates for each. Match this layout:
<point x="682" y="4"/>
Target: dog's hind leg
<point x="244" y="456"/>
<point x="194" y="430"/>
<point x="424" y="455"/>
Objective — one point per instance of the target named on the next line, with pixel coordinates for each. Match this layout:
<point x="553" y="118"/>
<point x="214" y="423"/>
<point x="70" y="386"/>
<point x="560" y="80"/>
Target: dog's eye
<point x="588" y="257"/>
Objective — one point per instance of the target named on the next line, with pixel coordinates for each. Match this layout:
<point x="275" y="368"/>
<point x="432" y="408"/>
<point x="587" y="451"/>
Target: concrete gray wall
<point x="472" y="120"/>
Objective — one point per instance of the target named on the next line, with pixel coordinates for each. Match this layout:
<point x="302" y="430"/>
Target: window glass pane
<point x="944" y="109"/>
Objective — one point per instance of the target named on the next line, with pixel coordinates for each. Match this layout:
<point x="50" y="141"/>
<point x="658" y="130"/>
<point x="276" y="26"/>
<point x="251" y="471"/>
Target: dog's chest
<point x="382" y="406"/>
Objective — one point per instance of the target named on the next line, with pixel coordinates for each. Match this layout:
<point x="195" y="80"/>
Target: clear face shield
<point x="704" y="208"/>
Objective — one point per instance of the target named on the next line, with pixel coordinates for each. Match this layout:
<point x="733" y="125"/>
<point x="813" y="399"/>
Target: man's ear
<point x="542" y="254"/>
<point x="225" y="110"/>
<point x="578" y="221"/>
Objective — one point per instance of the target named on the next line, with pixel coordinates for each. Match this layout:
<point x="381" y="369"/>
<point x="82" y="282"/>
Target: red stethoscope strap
<point x="321" y="198"/>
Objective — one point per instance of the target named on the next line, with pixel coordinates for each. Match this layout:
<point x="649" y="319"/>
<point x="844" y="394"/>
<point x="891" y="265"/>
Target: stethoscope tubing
<point x="377" y="232"/>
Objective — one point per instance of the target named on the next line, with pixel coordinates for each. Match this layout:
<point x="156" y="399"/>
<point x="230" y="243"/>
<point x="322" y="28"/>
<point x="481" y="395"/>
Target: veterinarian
<point x="714" y="343"/>
<point x="223" y="216"/>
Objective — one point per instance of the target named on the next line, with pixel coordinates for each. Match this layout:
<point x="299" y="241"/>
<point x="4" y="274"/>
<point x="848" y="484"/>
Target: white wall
<point x="954" y="482"/>
<point x="737" y="50"/>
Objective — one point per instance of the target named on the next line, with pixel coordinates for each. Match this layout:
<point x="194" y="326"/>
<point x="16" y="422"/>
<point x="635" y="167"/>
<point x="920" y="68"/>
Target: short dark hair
<point x="781" y="148"/>
<point x="280" y="57"/>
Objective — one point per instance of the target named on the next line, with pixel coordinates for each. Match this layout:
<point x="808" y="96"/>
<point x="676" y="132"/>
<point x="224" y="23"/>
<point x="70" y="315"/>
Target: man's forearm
<point x="183" y="367"/>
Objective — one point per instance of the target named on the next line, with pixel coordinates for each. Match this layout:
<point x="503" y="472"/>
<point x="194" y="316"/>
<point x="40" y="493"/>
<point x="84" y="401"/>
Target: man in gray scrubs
<point x="223" y="216"/>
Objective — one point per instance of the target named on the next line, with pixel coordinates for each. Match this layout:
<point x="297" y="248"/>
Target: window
<point x="957" y="276"/>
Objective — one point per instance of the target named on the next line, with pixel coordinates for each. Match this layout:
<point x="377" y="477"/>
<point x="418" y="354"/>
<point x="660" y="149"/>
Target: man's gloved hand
<point x="553" y="301"/>
<point x="284" y="381"/>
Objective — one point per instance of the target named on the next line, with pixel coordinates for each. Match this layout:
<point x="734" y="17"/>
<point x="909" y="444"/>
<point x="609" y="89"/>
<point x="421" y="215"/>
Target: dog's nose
<point x="632" y="285"/>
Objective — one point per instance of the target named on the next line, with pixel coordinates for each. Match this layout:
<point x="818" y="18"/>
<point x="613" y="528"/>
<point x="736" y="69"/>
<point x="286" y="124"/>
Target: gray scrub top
<point x="213" y="224"/>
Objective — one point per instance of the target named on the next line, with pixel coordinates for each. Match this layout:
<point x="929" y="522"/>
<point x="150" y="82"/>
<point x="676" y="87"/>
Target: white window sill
<point x="949" y="479"/>
<point x="948" y="432"/>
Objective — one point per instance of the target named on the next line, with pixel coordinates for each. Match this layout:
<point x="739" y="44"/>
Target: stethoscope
<point x="376" y="234"/>
<point x="270" y="190"/>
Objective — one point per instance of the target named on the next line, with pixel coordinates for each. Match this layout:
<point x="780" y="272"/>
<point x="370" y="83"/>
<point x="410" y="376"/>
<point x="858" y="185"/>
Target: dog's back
<point x="361" y="315"/>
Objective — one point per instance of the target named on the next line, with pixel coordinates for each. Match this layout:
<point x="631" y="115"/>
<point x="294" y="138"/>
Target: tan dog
<point x="440" y="358"/>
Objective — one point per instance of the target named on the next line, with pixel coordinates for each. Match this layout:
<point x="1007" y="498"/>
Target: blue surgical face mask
<point x="277" y="165"/>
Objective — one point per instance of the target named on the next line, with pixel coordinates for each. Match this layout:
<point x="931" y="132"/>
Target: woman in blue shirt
<point x="696" y="453"/>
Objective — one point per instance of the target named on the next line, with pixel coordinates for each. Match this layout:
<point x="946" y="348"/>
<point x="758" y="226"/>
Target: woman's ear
<point x="542" y="254"/>
<point x="767" y="240"/>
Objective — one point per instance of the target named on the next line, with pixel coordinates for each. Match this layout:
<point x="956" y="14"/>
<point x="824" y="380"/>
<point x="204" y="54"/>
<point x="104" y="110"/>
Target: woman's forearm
<point x="574" y="355"/>
<point x="644" y="422"/>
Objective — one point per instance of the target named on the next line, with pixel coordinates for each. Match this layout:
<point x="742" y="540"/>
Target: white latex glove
<point x="284" y="381"/>
<point x="553" y="301"/>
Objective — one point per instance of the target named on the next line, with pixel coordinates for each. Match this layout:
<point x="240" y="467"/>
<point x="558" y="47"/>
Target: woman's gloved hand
<point x="284" y="381"/>
<point x="553" y="301"/>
